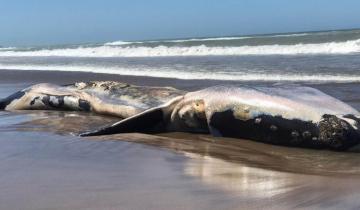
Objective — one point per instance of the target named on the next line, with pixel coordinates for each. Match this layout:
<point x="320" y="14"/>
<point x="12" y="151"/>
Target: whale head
<point x="339" y="132"/>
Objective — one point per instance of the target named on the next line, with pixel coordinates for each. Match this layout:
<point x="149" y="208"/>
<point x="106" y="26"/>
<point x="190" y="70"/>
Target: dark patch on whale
<point x="58" y="102"/>
<point x="264" y="131"/>
<point x="84" y="105"/>
<point x="49" y="101"/>
<point x="32" y="102"/>
<point x="337" y="133"/>
<point x="331" y="132"/>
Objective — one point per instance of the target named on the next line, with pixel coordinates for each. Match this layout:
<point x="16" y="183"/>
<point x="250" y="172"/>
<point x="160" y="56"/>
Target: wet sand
<point x="57" y="77"/>
<point x="45" y="165"/>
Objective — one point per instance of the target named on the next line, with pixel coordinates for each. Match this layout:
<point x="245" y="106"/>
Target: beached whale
<point x="284" y="115"/>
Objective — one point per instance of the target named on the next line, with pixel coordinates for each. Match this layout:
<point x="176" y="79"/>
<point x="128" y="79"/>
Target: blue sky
<point x="46" y="22"/>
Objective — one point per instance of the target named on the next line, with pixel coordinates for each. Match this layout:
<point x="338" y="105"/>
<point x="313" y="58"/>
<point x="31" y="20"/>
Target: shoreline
<point x="67" y="77"/>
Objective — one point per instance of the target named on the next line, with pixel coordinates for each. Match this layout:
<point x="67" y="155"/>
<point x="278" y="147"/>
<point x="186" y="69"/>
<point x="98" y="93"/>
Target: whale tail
<point x="3" y="104"/>
<point x="6" y="101"/>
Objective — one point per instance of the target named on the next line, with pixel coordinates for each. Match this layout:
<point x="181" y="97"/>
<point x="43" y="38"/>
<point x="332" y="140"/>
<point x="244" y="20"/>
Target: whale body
<point x="282" y="114"/>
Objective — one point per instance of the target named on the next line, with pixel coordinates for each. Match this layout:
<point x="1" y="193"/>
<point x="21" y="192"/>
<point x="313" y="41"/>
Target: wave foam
<point x="347" y="47"/>
<point x="117" y="43"/>
<point x="120" y="42"/>
<point x="7" y="48"/>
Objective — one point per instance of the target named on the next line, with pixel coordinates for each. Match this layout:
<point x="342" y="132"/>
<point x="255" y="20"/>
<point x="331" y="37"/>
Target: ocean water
<point x="321" y="57"/>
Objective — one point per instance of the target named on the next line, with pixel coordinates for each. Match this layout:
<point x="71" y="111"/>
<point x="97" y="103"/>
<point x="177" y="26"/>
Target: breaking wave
<point x="7" y="48"/>
<point x="346" y="47"/>
<point x="116" y="43"/>
<point x="120" y="42"/>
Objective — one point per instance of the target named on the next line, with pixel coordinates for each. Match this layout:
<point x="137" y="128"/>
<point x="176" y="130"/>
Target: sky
<point x="50" y="22"/>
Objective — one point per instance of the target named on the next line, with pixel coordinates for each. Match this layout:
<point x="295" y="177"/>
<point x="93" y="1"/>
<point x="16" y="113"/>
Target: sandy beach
<point x="179" y="105"/>
<point x="45" y="165"/>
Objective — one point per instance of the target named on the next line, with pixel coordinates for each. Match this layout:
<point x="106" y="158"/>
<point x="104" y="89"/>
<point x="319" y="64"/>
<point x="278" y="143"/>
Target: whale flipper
<point x="144" y="122"/>
<point x="150" y="121"/>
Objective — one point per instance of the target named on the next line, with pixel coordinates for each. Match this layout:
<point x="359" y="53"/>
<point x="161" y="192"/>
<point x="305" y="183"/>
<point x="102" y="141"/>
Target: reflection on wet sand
<point x="253" y="154"/>
<point x="237" y="173"/>
<point x="287" y="190"/>
<point x="62" y="122"/>
<point x="254" y="182"/>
